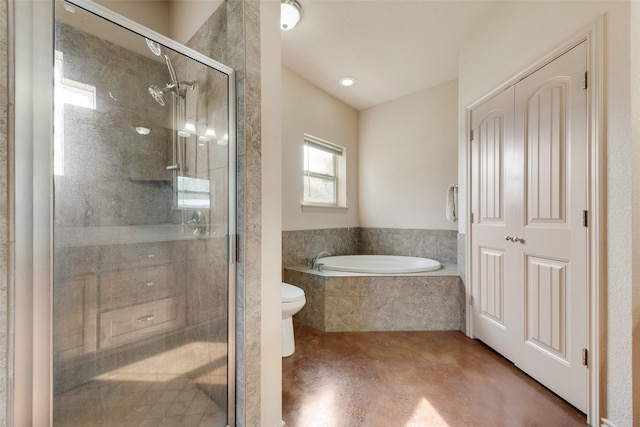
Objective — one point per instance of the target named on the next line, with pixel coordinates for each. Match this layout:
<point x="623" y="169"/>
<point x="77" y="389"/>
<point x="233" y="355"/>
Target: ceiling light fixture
<point x="347" y="81"/>
<point x="290" y="14"/>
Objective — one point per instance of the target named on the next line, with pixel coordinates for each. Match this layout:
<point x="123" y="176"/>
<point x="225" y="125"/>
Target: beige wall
<point x="635" y="112"/>
<point x="517" y="34"/>
<point x="408" y="157"/>
<point x="420" y="127"/>
<point x="186" y="16"/>
<point x="153" y="14"/>
<point x="271" y="310"/>
<point x="308" y="109"/>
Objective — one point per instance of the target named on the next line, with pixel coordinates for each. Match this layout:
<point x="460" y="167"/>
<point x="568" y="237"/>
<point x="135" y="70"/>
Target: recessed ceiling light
<point x="347" y="81"/>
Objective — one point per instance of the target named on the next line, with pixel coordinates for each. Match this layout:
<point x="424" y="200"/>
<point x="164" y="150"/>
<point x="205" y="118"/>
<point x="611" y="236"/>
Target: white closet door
<point x="529" y="170"/>
<point x="496" y="285"/>
<point x="551" y="143"/>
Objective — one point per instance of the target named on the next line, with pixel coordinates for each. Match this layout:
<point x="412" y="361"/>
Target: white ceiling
<point x="391" y="47"/>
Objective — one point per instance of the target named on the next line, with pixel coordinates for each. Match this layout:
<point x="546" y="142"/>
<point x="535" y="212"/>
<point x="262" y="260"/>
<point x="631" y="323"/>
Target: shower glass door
<point x="143" y="216"/>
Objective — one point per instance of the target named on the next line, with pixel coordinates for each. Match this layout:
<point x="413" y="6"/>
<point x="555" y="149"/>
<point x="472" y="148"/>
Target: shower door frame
<point x="30" y="275"/>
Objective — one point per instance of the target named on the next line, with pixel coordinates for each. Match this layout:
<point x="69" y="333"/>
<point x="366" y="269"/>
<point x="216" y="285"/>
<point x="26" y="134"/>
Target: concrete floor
<point x="389" y="379"/>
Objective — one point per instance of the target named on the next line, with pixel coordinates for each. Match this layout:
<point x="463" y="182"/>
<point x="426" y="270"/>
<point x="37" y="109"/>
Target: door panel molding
<point x="546" y="163"/>
<point x="491" y="146"/>
<point x="491" y="287"/>
<point x="546" y="305"/>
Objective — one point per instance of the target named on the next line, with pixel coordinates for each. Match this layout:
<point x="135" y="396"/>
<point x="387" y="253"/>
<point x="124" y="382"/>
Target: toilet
<point x="292" y="302"/>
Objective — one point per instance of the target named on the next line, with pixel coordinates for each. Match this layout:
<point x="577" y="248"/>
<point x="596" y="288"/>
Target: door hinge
<point x="585" y="218"/>
<point x="585" y="83"/>
<point x="585" y="357"/>
<point x="471" y="135"/>
<point x="470" y="299"/>
<point x="471" y="217"/>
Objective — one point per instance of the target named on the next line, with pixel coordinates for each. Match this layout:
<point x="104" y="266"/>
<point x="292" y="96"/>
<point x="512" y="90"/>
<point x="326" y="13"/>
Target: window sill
<point x="306" y="207"/>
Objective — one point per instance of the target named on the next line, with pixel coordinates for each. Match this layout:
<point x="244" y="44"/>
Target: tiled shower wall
<point x="209" y="161"/>
<point x="232" y="36"/>
<point x="112" y="176"/>
<point x="243" y="50"/>
<point x="300" y="245"/>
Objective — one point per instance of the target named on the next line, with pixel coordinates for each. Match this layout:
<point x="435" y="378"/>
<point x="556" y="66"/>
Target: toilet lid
<point x="291" y="293"/>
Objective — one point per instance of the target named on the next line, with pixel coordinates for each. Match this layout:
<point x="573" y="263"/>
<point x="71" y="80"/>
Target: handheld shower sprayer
<point x="157" y="51"/>
<point x="176" y="86"/>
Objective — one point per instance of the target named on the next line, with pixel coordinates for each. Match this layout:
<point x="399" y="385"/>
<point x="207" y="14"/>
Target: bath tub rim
<point x="379" y="264"/>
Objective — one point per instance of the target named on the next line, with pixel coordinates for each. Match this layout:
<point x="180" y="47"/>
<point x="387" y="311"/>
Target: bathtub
<point x="378" y="264"/>
<point x="340" y="301"/>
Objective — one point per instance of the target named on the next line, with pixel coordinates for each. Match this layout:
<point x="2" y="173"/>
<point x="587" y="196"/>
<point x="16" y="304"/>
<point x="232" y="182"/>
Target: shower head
<point x="157" y="50"/>
<point x="158" y="94"/>
<point x="154" y="47"/>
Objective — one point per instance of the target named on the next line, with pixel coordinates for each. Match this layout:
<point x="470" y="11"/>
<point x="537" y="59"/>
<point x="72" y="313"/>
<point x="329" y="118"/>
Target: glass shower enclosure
<point x="144" y="225"/>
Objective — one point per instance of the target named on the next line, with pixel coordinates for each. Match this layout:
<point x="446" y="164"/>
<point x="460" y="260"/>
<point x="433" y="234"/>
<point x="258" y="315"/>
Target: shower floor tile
<point x="169" y="389"/>
<point x="100" y="403"/>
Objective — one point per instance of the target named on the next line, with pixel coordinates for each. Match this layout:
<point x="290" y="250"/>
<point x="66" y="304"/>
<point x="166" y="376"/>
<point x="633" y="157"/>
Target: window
<point x="67" y="92"/>
<point x="193" y="193"/>
<point x="324" y="167"/>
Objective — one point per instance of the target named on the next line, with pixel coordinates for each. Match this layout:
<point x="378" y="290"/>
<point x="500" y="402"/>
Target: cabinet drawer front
<point x="135" y="255"/>
<point x="136" y="286"/>
<point x="132" y="323"/>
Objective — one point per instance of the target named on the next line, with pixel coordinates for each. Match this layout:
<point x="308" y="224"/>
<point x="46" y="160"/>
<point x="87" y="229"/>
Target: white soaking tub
<point x="377" y="264"/>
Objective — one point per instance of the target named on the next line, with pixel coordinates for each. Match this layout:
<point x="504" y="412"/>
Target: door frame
<point x="30" y="276"/>
<point x="593" y="34"/>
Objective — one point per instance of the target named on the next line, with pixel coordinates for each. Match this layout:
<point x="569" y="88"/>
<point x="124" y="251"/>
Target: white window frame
<point x="85" y="96"/>
<point x="338" y="178"/>
<point x="193" y="193"/>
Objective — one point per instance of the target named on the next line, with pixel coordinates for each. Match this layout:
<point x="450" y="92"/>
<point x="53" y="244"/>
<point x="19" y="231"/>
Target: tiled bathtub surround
<point x="462" y="241"/>
<point x="431" y="301"/>
<point x="440" y="245"/>
<point x="299" y="245"/>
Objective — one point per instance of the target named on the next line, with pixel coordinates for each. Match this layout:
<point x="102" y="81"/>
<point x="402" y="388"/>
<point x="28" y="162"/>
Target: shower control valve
<point x="198" y="223"/>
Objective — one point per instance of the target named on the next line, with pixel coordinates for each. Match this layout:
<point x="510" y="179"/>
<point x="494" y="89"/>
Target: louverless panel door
<point x="496" y="321"/>
<point x="552" y="141"/>
<point x="537" y="276"/>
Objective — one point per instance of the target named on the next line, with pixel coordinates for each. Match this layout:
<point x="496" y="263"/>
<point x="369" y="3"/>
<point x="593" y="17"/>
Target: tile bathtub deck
<point x="388" y="379"/>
